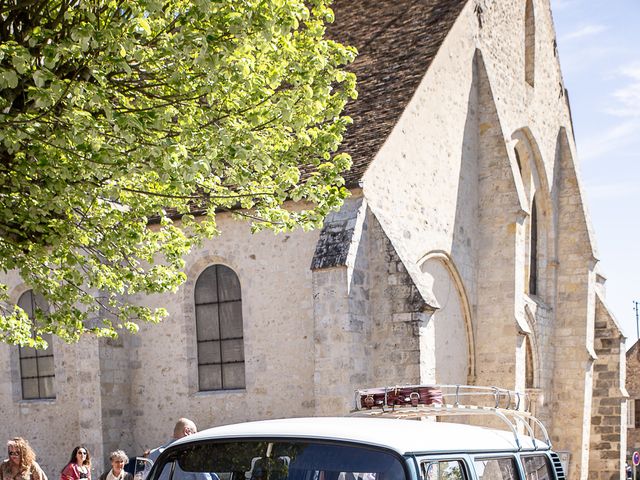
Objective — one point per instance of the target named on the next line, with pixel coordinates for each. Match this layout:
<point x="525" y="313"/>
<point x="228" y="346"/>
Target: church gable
<point x="396" y="40"/>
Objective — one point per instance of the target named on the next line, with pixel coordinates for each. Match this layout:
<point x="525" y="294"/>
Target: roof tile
<point x="397" y="41"/>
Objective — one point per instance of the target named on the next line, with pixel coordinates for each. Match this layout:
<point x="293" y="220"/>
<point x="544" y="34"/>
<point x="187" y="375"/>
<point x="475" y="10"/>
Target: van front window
<point x="265" y="460"/>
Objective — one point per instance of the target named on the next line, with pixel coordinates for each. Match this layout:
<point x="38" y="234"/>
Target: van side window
<point x="443" y="470"/>
<point x="536" y="467"/>
<point x="496" y="468"/>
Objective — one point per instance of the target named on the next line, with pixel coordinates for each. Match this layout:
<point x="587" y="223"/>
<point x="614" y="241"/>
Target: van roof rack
<point x="423" y="401"/>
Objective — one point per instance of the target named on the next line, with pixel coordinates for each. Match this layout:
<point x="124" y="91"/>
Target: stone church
<point x="464" y="255"/>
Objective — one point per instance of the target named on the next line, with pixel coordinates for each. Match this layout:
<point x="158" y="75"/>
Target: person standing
<point x="118" y="460"/>
<point x="79" y="466"/>
<point x="21" y="464"/>
<point x="182" y="428"/>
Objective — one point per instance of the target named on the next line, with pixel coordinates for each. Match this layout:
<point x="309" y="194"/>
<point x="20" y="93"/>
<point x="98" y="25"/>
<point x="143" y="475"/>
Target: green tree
<point x="126" y="125"/>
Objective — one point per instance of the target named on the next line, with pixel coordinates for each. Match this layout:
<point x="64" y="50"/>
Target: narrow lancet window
<point x="529" y="43"/>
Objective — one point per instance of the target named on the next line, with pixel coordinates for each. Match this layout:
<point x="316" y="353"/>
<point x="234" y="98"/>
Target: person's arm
<point x="37" y="472"/>
<point x="72" y="473"/>
<point x="67" y="472"/>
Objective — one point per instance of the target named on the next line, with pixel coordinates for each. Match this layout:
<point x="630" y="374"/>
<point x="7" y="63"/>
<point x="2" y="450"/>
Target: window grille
<point x="219" y="330"/>
<point x="37" y="373"/>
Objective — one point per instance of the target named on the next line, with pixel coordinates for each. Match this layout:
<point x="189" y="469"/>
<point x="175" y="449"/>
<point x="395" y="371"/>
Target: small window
<point x="636" y="413"/>
<point x="533" y="249"/>
<point x="443" y="470"/>
<point x="529" y="43"/>
<point x="496" y="468"/>
<point x="536" y="467"/>
<point x="631" y="413"/>
<point x="518" y="161"/>
<point x="37" y="373"/>
<point x="528" y="366"/>
<point x="219" y="329"/>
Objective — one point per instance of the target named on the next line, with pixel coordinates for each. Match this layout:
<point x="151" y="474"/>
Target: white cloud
<point x="564" y="4"/>
<point x="632" y="71"/>
<point x="577" y="61"/>
<point x="584" y="31"/>
<point x="626" y="99"/>
<point x="618" y="190"/>
<point x="614" y="139"/>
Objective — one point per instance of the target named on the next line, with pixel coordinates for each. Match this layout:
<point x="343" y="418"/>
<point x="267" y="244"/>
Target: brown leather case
<point x="400" y="396"/>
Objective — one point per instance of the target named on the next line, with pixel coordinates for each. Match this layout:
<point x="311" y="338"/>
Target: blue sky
<point x="599" y="47"/>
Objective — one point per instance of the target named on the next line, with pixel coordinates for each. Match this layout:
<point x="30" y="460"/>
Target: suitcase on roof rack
<point x="399" y="397"/>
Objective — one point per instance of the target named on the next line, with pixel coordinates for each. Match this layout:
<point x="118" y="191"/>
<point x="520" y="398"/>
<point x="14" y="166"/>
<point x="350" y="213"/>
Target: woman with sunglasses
<point x="21" y="464"/>
<point x="79" y="466"/>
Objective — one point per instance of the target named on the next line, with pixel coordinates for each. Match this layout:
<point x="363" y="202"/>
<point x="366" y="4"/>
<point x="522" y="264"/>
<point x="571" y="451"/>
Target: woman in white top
<point x="118" y="460"/>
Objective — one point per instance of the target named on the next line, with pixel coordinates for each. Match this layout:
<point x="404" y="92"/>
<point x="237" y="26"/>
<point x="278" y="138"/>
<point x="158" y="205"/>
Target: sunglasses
<point x="14" y="454"/>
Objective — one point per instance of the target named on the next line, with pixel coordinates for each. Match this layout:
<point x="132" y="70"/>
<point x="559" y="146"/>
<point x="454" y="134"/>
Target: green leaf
<point x="166" y="107"/>
<point x="8" y="78"/>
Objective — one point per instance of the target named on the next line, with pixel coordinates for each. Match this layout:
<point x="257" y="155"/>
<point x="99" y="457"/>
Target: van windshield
<point x="265" y="460"/>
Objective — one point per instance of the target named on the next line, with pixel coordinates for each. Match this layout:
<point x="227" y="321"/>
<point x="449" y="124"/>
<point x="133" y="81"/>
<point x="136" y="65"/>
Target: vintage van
<point x="381" y="441"/>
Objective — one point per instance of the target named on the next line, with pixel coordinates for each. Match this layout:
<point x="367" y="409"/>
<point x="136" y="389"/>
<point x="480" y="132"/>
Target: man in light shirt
<point x="183" y="428"/>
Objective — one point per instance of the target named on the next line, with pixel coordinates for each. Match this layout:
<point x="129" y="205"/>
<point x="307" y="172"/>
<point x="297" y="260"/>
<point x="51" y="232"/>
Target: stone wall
<point x="54" y="427"/>
<point x="278" y="317"/>
<point x="574" y="320"/>
<point x="398" y="318"/>
<point x="368" y="314"/>
<point x="633" y="389"/>
<point x="608" y="411"/>
<point x="499" y="278"/>
<point x="115" y="392"/>
<point x="341" y="309"/>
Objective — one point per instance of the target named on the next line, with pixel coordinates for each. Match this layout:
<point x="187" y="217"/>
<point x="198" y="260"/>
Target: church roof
<point x="397" y="41"/>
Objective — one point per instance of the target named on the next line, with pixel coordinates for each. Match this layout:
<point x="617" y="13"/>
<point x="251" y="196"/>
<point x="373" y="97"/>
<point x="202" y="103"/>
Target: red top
<point x="72" y="472"/>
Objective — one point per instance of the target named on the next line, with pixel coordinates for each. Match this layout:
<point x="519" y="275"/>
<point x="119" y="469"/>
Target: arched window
<point x="537" y="234"/>
<point x="533" y="249"/>
<point x="529" y="43"/>
<point x="37" y="373"/>
<point x="219" y="329"/>
<point x="529" y="378"/>
<point x="519" y="162"/>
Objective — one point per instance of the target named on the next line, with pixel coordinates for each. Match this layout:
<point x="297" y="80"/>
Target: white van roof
<point x="402" y="436"/>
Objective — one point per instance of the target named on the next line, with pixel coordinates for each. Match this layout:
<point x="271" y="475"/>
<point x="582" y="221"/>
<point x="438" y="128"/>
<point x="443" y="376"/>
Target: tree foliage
<point x="125" y="126"/>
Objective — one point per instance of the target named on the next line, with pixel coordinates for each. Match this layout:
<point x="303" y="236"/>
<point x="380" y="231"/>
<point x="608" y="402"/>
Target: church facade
<point x="463" y="256"/>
